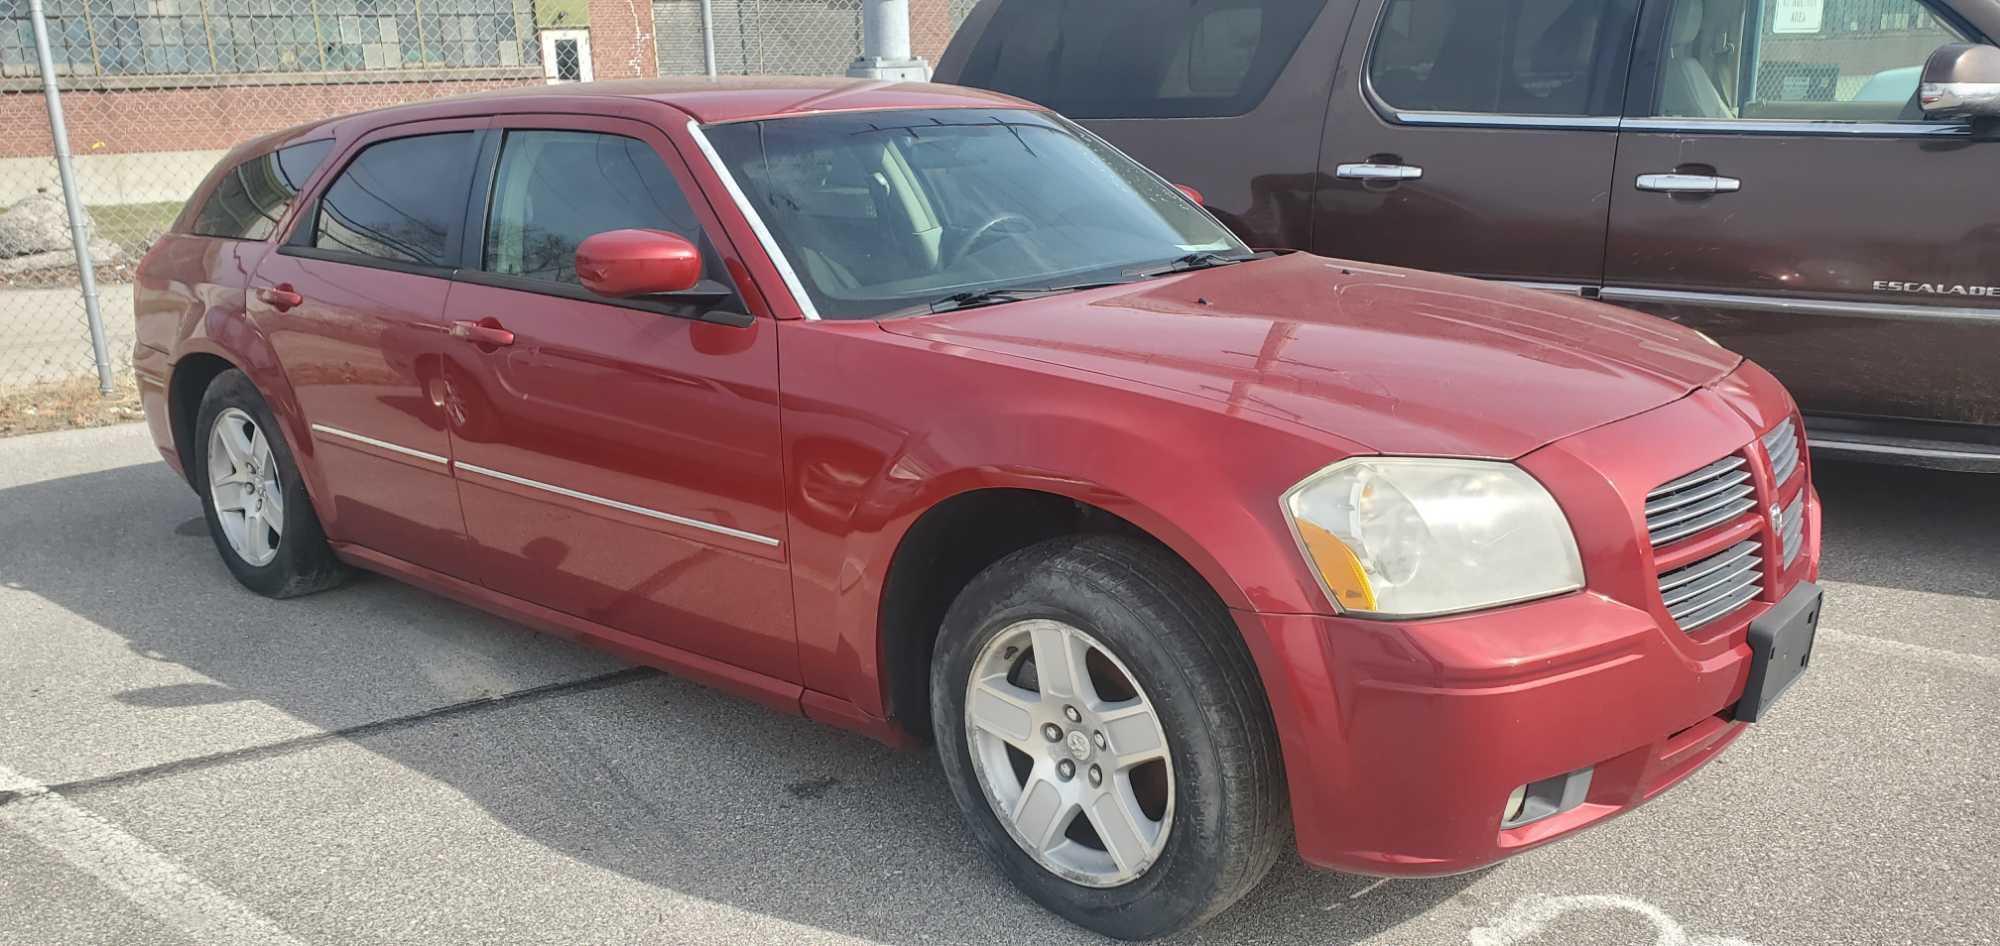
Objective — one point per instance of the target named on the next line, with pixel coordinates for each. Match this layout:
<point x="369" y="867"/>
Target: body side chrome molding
<point x="615" y="504"/>
<point x="380" y="444"/>
<point x="1563" y="288"/>
<point x="1836" y="445"/>
<point x="1864" y="310"/>
<point x="757" y="226"/>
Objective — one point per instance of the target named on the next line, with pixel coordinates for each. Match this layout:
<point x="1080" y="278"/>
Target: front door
<point x="1814" y="221"/>
<point x="1476" y="138"/>
<point x="619" y="460"/>
<point x="353" y="304"/>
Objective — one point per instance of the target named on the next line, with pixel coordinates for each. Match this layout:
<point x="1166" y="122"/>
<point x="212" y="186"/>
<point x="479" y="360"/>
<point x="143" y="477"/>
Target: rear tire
<point x="251" y="493"/>
<point x="1204" y="816"/>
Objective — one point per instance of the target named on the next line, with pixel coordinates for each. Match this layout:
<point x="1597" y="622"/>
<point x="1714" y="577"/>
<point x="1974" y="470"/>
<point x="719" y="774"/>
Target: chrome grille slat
<point x="1791" y="535"/>
<point x="1708" y="472"/>
<point x="1781" y="444"/>
<point x="1718" y="517"/>
<point x="1710" y="589"/>
<point x="1697" y="494"/>
<point x="1728" y="498"/>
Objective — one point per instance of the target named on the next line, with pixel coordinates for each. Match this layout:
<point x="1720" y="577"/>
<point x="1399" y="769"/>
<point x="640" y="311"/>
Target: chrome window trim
<point x="785" y="271"/>
<point x="1876" y="310"/>
<point x="1561" y="288"/>
<point x="615" y="504"/>
<point x="381" y="444"/>
<point x="1483" y="120"/>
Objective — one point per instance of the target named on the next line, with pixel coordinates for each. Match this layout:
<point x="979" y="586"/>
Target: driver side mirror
<point x="1961" y="81"/>
<point x="627" y="263"/>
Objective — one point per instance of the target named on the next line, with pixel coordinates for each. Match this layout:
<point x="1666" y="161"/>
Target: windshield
<point x="883" y="213"/>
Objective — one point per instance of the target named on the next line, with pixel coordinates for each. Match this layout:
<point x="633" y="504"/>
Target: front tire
<point x="1106" y="735"/>
<point x="251" y="493"/>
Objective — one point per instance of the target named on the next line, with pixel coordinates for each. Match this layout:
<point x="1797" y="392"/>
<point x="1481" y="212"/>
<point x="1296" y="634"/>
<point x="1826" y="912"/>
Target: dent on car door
<point x="353" y="305"/>
<point x="1779" y="189"/>
<point x="618" y="458"/>
<point x="1476" y="138"/>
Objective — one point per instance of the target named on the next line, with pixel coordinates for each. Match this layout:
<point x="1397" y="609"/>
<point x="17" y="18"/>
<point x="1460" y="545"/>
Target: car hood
<point x="1399" y="361"/>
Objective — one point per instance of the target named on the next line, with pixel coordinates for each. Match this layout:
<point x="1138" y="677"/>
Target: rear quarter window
<point x="252" y="196"/>
<point x="1139" y="58"/>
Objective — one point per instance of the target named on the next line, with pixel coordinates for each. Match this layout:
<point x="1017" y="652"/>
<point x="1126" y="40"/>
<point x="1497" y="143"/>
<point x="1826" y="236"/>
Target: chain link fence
<point x="155" y="91"/>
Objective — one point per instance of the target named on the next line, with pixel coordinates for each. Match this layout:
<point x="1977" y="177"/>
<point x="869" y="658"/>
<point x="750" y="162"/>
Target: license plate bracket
<point x="1781" y="644"/>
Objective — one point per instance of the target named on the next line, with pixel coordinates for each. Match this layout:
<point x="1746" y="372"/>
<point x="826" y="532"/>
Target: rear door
<point x="619" y="460"/>
<point x="1476" y="138"/>
<point x="1850" y="247"/>
<point x="353" y="304"/>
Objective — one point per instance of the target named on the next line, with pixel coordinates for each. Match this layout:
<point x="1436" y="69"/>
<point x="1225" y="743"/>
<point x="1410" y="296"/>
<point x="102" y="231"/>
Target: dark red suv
<point x="925" y="413"/>
<point x="1803" y="180"/>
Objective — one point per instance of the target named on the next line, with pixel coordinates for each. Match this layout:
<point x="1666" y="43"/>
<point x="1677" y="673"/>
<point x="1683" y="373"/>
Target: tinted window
<point x="398" y="200"/>
<point x="1139" y="58"/>
<point x="1503" y="57"/>
<point x="1826" y="60"/>
<point x="554" y="188"/>
<point x="248" y="201"/>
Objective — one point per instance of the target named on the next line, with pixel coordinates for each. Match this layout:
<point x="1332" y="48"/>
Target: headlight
<point x="1408" y="536"/>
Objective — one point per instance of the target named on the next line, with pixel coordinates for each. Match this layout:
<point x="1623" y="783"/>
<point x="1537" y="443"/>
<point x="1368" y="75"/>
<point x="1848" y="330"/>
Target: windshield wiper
<point x="975" y="298"/>
<point x="1194" y="261"/>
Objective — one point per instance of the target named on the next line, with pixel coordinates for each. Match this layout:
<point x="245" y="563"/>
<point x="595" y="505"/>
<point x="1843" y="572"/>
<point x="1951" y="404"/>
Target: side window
<point x="1503" y="57"/>
<point x="555" y="188"/>
<point x="251" y="196"/>
<point x="398" y="199"/>
<point x="1140" y="58"/>
<point x="1798" y="60"/>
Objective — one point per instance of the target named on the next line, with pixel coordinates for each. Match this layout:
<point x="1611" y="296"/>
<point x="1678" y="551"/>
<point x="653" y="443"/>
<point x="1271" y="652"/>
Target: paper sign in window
<point x="1797" y="16"/>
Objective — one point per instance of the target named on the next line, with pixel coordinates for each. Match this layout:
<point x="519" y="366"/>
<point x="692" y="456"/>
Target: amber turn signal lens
<point x="1338" y="566"/>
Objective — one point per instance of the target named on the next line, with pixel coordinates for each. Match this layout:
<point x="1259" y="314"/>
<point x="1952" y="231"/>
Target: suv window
<point x="1139" y="58"/>
<point x="555" y="188"/>
<point x="1503" y="57"/>
<point x="398" y="199"/>
<point x="251" y="196"/>
<point x="1798" y="60"/>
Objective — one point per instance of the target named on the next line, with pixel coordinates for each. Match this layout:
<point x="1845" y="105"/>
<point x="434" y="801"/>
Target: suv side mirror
<point x="1961" y="81"/>
<point x="626" y="263"/>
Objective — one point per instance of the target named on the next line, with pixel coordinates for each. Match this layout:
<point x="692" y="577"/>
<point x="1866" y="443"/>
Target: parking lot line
<point x="128" y="865"/>
<point x="1956" y="660"/>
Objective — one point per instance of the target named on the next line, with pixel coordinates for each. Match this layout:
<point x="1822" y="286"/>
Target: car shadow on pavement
<point x="652" y="777"/>
<point x="1914" y="529"/>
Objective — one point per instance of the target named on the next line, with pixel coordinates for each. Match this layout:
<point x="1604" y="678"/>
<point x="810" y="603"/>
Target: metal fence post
<point x="79" y="228"/>
<point x="885" y="44"/>
<point x="708" y="36"/>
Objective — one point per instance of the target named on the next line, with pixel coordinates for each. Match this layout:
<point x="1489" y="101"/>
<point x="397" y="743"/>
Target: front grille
<point x="1792" y="528"/>
<point x="1713" y="587"/>
<point x="1708" y="497"/>
<point x="1781" y="444"/>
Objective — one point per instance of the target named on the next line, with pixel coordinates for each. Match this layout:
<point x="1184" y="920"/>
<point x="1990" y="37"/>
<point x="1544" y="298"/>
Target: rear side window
<point x="1503" y="57"/>
<point x="398" y="200"/>
<point x="251" y="196"/>
<point x="555" y="188"/>
<point x="1139" y="58"/>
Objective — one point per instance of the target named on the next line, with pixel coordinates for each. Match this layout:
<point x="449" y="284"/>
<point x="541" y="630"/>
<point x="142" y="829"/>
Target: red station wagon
<point x="923" y="412"/>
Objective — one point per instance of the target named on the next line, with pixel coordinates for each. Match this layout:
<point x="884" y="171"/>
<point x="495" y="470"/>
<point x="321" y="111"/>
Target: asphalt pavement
<point x="184" y="762"/>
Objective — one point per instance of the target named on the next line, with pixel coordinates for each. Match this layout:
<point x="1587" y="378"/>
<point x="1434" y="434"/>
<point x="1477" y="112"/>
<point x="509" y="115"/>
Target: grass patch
<point x="67" y="405"/>
<point x="132" y="225"/>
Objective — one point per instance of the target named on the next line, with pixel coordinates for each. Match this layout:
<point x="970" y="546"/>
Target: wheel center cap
<point x="1079" y="744"/>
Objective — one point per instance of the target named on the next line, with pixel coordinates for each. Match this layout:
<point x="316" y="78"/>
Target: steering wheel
<point x="982" y="231"/>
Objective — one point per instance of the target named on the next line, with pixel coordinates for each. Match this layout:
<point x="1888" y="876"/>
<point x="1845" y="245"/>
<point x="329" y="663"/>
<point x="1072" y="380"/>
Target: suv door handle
<point x="280" y="297"/>
<point x="1379" y="172"/>
<point x="1689" y="184"/>
<point x="485" y="333"/>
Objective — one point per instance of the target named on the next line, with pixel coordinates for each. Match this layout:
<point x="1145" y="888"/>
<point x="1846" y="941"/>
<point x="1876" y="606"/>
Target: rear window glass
<point x="398" y="200"/>
<point x="1504" y="57"/>
<point x="1139" y="58"/>
<point x="251" y="196"/>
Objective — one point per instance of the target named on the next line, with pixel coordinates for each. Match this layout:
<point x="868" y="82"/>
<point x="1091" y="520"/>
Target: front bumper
<point x="1404" y="739"/>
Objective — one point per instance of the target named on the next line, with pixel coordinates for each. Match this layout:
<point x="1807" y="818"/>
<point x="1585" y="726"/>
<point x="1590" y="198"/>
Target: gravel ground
<point x="378" y="765"/>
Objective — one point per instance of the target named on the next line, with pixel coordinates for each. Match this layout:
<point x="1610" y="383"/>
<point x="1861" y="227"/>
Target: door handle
<point x="1689" y="184"/>
<point x="1378" y="172"/>
<point x="485" y="333"/>
<point x="280" y="297"/>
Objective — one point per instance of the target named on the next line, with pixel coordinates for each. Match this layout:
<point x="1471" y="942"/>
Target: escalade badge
<point x="1936" y="288"/>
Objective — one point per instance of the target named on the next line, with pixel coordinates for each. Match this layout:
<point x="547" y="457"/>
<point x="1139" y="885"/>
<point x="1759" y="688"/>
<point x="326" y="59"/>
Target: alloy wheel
<point x="1070" y="753"/>
<point x="243" y="483"/>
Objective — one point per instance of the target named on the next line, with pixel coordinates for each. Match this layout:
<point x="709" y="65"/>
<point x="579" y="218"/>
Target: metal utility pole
<point x="79" y="227"/>
<point x="708" y="37"/>
<point x="885" y="44"/>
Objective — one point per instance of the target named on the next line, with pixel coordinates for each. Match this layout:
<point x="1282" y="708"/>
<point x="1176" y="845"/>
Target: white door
<point x="566" y="55"/>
